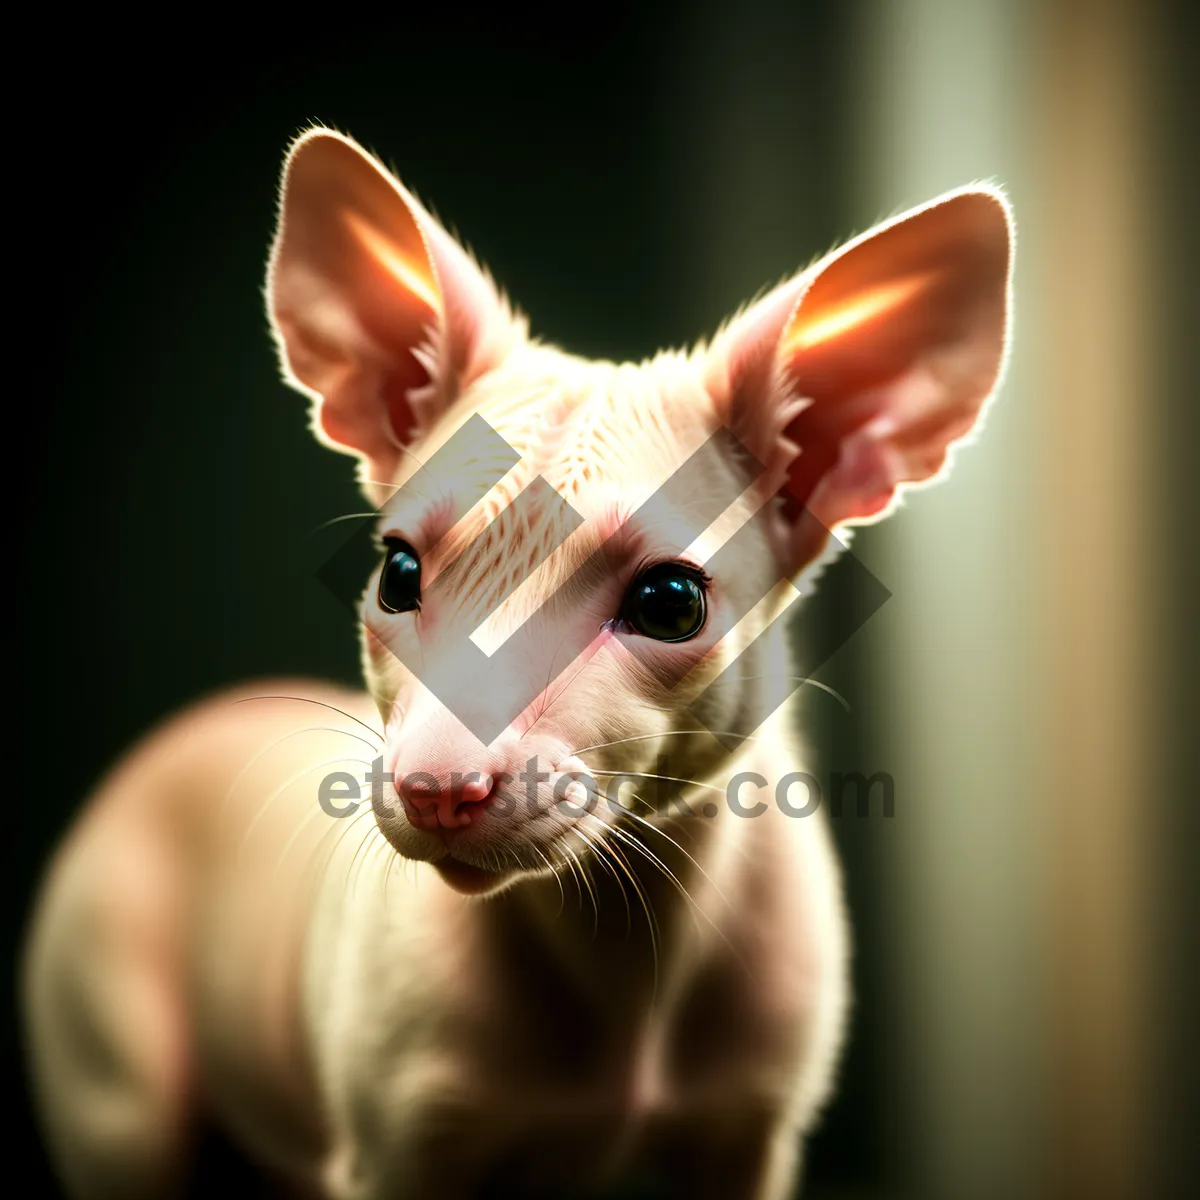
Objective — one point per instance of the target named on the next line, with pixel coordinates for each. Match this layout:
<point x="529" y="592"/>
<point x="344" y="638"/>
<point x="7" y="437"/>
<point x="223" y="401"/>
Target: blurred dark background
<point x="630" y="176"/>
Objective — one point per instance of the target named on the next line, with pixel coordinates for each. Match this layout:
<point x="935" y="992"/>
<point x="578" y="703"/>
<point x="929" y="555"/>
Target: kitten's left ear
<point x="856" y="377"/>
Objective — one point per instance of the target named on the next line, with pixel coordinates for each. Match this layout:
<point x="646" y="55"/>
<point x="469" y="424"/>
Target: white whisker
<point x="801" y="679"/>
<point x="320" y="703"/>
<point x="650" y="737"/>
<point x="668" y="778"/>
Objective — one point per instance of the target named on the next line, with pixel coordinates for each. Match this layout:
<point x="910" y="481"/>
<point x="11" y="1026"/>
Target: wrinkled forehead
<point x="533" y="455"/>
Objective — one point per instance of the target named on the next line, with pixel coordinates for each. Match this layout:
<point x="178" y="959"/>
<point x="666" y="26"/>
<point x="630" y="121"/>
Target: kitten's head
<point x="578" y="558"/>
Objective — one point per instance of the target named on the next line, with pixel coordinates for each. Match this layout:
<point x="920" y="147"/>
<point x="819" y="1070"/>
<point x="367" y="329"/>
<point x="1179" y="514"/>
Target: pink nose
<point x="444" y="801"/>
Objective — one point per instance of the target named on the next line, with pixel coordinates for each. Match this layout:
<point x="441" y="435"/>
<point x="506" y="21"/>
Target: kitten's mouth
<point x="468" y="879"/>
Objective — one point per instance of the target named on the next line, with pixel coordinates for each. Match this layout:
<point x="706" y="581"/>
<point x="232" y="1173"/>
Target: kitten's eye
<point x="666" y="602"/>
<point x="400" y="581"/>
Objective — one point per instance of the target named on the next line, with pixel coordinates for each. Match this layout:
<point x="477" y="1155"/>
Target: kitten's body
<point x="665" y="1007"/>
<point x="474" y="1040"/>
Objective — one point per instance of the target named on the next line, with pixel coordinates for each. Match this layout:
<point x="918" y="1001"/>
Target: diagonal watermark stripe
<point x="446" y="477"/>
<point x="679" y="511"/>
<point x="462" y="673"/>
<point x="867" y="596"/>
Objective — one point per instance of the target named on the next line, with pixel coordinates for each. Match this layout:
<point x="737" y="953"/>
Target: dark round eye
<point x="400" y="582"/>
<point x="666" y="602"/>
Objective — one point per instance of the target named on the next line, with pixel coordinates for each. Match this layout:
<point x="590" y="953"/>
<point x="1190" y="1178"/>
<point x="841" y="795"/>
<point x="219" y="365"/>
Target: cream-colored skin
<point x="454" y="1002"/>
<point x="449" y="1034"/>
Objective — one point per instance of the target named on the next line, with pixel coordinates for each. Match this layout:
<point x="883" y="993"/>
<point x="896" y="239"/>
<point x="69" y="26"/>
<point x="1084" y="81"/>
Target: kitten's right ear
<point x="380" y="316"/>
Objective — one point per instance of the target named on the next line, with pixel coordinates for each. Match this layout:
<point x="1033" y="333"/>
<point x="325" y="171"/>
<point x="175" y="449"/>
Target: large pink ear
<point x="381" y="317"/>
<point x="856" y="377"/>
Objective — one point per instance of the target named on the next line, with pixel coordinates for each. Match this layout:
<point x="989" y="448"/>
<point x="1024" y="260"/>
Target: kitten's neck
<point x="630" y="923"/>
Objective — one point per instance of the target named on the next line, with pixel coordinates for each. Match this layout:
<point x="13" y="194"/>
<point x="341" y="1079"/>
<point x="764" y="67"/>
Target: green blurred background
<point x="1025" y="924"/>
